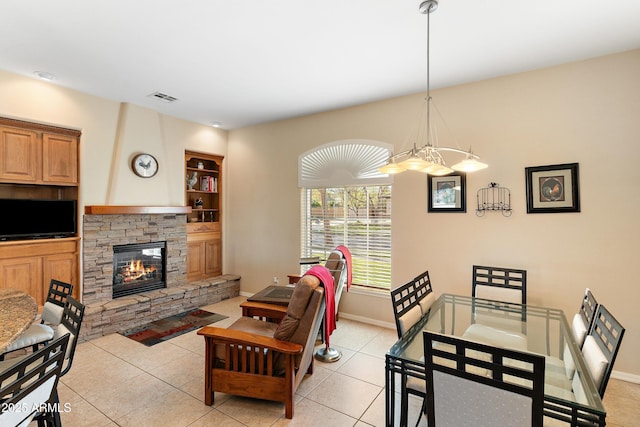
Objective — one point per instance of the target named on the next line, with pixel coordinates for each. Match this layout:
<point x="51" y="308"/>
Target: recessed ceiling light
<point x="216" y="124"/>
<point x="44" y="75"/>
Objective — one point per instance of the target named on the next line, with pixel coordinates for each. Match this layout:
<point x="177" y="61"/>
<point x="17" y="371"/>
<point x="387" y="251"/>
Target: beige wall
<point x="583" y="112"/>
<point x="112" y="133"/>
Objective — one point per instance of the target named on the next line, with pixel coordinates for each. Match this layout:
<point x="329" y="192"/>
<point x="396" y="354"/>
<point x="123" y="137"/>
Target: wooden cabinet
<point x="23" y="273"/>
<point x="59" y="159"/>
<point x="20" y="155"/>
<point x="203" y="178"/>
<point x="38" y="162"/>
<point x="29" y="265"/>
<point x="204" y="251"/>
<point x="38" y="154"/>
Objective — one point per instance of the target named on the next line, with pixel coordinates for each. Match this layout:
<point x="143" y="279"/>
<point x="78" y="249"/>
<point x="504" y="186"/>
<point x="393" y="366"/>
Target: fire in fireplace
<point x="138" y="268"/>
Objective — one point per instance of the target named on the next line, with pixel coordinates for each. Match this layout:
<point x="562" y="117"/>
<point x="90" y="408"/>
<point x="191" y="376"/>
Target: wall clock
<point x="144" y="165"/>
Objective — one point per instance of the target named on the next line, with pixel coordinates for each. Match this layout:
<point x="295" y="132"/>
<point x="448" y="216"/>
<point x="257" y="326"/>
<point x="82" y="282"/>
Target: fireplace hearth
<point x="106" y="227"/>
<point x="139" y="267"/>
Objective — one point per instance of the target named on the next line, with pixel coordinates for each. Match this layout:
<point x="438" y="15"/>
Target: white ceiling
<point x="242" y="62"/>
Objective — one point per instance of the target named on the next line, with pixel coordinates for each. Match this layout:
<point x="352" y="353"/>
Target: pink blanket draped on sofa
<point x="325" y="276"/>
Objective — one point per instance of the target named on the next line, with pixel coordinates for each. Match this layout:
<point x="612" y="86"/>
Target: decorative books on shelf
<point x="209" y="184"/>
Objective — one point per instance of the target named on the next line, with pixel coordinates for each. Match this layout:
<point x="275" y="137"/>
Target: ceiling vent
<point x="163" y="97"/>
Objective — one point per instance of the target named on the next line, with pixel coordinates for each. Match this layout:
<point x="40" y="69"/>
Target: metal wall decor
<point x="494" y="198"/>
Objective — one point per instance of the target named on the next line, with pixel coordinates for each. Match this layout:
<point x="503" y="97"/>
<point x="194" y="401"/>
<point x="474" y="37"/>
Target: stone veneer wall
<point x="102" y="232"/>
<point x="104" y="315"/>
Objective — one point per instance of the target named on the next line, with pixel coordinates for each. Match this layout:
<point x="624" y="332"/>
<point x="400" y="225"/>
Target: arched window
<point x="346" y="201"/>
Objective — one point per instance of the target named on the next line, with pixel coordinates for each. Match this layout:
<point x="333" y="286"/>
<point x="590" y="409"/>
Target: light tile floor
<point x="116" y="381"/>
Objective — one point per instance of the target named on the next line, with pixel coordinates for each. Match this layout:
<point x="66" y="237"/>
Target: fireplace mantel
<point x="127" y="210"/>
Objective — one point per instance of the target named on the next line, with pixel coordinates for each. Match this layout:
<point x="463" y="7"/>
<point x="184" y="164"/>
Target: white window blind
<point x="357" y="217"/>
<point x="346" y="201"/>
<point x="344" y="163"/>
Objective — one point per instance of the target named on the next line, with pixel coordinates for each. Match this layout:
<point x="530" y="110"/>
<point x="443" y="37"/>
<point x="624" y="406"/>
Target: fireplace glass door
<point x="138" y="268"/>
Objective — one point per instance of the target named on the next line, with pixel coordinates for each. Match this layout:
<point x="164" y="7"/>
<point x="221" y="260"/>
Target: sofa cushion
<point x="297" y="307"/>
<point x="250" y="325"/>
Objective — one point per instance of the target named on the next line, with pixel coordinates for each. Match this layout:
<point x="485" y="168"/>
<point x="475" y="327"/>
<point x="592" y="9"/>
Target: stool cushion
<point x="35" y="334"/>
<point x="52" y="313"/>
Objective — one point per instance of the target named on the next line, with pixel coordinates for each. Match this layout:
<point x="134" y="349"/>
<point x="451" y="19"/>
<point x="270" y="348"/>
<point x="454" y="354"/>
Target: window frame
<point x="348" y="166"/>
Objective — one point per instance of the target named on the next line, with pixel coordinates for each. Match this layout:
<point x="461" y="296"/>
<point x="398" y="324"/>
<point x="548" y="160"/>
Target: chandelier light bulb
<point x="391" y="168"/>
<point x="469" y="165"/>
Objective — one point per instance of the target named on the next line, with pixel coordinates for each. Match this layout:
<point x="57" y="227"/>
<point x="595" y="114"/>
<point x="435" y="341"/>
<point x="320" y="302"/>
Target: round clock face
<point x="144" y="165"/>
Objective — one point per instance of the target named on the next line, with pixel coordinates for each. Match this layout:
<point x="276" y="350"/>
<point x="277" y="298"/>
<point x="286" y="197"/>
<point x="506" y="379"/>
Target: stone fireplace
<point x="109" y="231"/>
<point x="101" y="233"/>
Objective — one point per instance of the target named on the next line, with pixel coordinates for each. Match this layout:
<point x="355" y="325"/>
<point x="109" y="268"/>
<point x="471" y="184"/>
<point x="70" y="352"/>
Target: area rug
<point x="173" y="326"/>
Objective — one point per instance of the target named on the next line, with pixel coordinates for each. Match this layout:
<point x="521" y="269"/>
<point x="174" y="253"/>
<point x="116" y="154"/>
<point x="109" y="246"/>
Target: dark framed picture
<point x="447" y="193"/>
<point x="553" y="188"/>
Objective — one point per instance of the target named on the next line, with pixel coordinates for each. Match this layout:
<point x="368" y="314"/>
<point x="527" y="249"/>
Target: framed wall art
<point x="553" y="188"/>
<point x="447" y="193"/>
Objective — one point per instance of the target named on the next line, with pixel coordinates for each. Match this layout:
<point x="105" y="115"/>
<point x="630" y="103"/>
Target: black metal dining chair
<point x="31" y="383"/>
<point x="410" y="302"/>
<point x="69" y="325"/>
<point x="580" y="325"/>
<point x="504" y="325"/>
<point x="468" y="383"/>
<point x="499" y="283"/>
<point x="601" y="346"/>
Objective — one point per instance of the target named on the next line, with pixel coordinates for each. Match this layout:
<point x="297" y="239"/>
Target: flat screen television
<point x="37" y="218"/>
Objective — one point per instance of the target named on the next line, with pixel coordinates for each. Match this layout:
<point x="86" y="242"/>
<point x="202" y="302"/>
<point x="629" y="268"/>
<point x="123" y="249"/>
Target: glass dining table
<point x="570" y="392"/>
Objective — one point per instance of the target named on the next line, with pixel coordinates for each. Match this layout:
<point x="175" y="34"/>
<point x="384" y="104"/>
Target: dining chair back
<point x="69" y="326"/>
<point x="581" y="324"/>
<point x="501" y="284"/>
<point x="40" y="333"/>
<point x="54" y="304"/>
<point x="410" y="302"/>
<point x="30" y="384"/>
<point x="70" y="323"/>
<point x="601" y="347"/>
<point x="472" y="383"/>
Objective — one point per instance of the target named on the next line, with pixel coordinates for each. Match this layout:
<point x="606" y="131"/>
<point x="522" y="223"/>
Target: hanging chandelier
<point x="428" y="158"/>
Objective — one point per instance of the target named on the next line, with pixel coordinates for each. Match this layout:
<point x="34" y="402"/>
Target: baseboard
<point x="623" y="376"/>
<point x="367" y="320"/>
